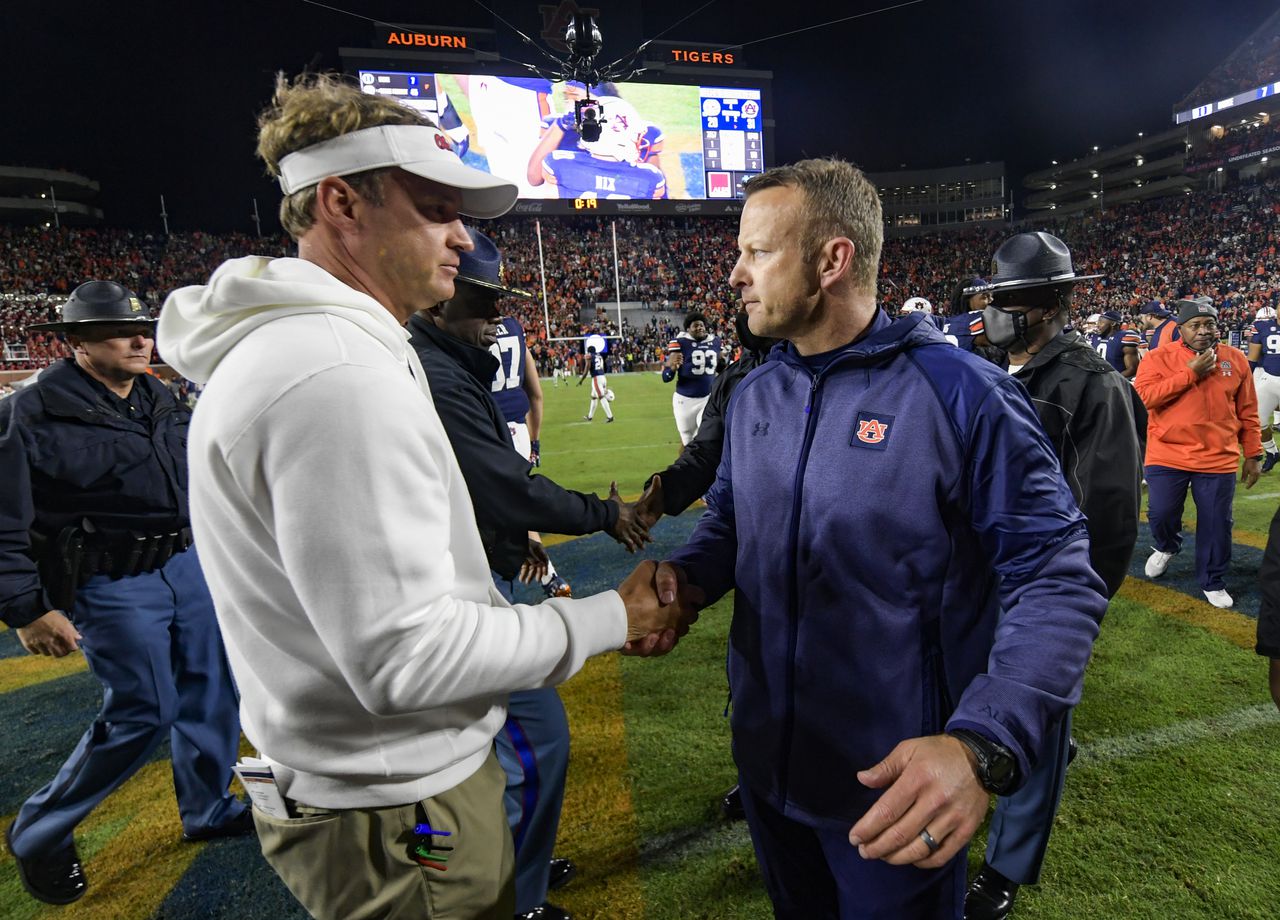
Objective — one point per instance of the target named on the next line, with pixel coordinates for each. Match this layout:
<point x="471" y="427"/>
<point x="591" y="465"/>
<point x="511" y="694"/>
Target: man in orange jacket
<point x="1203" y="410"/>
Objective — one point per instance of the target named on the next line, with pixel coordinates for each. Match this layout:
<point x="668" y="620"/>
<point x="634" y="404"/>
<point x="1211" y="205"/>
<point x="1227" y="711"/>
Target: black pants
<point x="1269" y="588"/>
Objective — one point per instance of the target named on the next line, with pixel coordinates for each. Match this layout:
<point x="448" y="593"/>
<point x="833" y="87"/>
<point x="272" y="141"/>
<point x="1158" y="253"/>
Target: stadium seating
<point x="1218" y="243"/>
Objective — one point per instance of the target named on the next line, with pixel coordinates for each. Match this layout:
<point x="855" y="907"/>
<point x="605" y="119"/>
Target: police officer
<point x="95" y="553"/>
<point x="1087" y="410"/>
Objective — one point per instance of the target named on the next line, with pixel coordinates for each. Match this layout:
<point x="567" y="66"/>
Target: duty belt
<point x="122" y="554"/>
<point x="81" y="551"/>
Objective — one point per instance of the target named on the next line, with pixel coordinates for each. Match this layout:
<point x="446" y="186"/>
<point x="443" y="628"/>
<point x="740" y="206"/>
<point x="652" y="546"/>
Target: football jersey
<point x="1163" y="334"/>
<point x="1112" y="346"/>
<point x="578" y="174"/>
<point x="963" y="329"/>
<point x="1266" y="332"/>
<point x="596" y="364"/>
<point x="698" y="372"/>
<point x="508" y="381"/>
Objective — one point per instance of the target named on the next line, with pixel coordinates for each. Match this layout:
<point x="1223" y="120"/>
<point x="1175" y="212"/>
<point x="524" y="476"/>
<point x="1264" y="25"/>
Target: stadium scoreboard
<point x="689" y="146"/>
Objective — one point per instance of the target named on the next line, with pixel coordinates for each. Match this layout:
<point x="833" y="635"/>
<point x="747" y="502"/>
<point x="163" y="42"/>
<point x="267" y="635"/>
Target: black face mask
<point x="750" y="341"/>
<point x="1005" y="329"/>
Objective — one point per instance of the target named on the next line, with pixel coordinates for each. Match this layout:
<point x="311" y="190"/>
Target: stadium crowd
<point x="1216" y="243"/>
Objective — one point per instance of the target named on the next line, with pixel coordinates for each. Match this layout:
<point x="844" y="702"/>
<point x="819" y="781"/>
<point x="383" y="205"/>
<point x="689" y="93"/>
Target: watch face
<point x="1000" y="771"/>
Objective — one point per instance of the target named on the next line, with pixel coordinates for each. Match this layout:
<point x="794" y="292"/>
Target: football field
<point x="1172" y="809"/>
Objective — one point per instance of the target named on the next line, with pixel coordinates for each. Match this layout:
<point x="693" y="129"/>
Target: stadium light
<point x="1095" y="148"/>
<point x="1219" y="169"/>
<point x="1141" y="161"/>
<point x="1263" y="160"/>
<point x="1139" y="134"/>
<point x="1054" y="162"/>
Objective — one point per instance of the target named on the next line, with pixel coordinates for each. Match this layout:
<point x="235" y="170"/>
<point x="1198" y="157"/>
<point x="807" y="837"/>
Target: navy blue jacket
<point x="509" y="500"/>
<point x="875" y="519"/>
<point x="67" y="452"/>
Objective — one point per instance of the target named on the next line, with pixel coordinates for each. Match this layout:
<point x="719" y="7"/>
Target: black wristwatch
<point x="997" y="767"/>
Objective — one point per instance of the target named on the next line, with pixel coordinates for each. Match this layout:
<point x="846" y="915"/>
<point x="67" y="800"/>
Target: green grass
<point x="586" y="456"/>
<point x="1170" y="812"/>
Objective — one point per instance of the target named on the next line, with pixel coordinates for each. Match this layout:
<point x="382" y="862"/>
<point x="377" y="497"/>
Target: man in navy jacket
<point x="896" y="494"/>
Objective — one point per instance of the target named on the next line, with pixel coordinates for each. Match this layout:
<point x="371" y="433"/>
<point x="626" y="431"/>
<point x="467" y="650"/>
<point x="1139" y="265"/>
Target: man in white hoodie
<point x="373" y="654"/>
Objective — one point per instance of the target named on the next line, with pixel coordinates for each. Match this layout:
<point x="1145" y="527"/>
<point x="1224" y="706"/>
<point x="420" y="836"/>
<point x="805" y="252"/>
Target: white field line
<point x="676" y="846"/>
<point x="1180" y="733"/>
<point x="1261" y="496"/>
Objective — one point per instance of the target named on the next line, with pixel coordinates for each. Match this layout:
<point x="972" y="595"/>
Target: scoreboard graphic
<point x="667" y="148"/>
<point x="732" y="138"/>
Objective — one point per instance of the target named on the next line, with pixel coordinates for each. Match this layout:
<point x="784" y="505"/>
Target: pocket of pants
<point x="288" y="836"/>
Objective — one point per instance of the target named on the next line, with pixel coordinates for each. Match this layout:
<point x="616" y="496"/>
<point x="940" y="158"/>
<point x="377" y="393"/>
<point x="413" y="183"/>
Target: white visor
<point x="419" y="149"/>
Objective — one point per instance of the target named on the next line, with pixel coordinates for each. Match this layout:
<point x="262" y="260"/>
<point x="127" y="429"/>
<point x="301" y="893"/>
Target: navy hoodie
<point x="875" y="519"/>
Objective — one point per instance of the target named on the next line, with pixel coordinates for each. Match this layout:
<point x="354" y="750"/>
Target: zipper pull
<point x="812" y="389"/>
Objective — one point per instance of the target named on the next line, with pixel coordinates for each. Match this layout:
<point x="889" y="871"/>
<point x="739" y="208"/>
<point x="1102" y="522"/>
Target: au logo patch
<point x="872" y="430"/>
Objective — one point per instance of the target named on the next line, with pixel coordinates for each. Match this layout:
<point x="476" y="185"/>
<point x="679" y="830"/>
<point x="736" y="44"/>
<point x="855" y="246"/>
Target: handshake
<point x="661" y="606"/>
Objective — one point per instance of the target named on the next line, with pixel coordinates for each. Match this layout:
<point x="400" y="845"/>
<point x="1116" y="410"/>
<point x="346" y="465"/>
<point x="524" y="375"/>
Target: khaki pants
<point x="355" y="865"/>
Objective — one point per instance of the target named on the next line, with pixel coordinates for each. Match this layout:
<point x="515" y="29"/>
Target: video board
<point x="662" y="147"/>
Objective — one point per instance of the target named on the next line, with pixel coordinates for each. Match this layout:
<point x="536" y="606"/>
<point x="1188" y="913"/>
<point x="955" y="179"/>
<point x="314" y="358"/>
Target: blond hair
<point x="317" y="107"/>
<point x="838" y="201"/>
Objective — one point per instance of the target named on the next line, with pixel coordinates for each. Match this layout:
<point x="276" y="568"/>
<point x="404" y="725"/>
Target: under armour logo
<point x="760" y="429"/>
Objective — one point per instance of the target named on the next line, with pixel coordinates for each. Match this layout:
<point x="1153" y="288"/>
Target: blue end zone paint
<point x="695" y="180"/>
<point x="1242" y="576"/>
<point x="230" y="879"/>
<point x="10" y="647"/>
<point x="599" y="563"/>
<point x="41" y="727"/>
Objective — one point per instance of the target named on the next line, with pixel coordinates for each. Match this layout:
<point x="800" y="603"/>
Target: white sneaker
<point x="1219" y="598"/>
<point x="1157" y="562"/>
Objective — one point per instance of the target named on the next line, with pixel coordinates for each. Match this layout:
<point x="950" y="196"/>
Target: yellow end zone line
<point x="598" y="827"/>
<point x="132" y="874"/>
<point x="1236" y="628"/>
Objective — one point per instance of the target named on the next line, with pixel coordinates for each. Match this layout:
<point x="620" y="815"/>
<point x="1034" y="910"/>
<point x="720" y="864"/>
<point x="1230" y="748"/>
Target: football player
<point x="610" y="167"/>
<point x="600" y="392"/>
<point x="1118" y="346"/>
<point x="518" y="392"/>
<point x="963" y="328"/>
<point x="692" y="360"/>
<point x="1264" y="358"/>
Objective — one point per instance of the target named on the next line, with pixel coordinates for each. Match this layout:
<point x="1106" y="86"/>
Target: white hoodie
<point x="372" y="652"/>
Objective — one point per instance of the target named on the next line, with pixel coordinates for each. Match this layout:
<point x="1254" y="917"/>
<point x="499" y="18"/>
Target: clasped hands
<point x="661" y="606"/>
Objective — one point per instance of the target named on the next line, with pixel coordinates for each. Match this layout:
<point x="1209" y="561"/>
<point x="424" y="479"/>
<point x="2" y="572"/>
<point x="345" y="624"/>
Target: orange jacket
<point x="1198" y="423"/>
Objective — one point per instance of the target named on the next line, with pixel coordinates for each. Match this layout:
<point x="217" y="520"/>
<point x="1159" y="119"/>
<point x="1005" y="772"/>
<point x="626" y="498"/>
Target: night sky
<point x="154" y="98"/>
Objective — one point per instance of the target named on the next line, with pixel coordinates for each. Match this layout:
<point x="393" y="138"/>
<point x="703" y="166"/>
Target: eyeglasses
<point x="1198" y="326"/>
